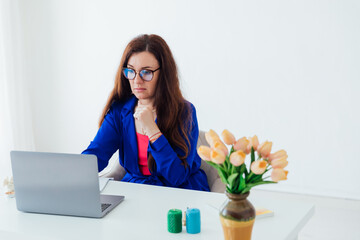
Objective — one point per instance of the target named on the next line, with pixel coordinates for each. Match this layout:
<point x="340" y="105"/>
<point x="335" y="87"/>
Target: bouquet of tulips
<point x="231" y="164"/>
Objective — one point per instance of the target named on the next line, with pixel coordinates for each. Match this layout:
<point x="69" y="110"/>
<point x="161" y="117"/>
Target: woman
<point x="147" y="119"/>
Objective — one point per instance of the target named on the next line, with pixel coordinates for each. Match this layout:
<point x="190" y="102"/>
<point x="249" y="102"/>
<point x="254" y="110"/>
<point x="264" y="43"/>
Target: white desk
<point x="143" y="215"/>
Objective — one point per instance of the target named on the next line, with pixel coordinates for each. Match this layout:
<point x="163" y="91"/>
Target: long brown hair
<point x="173" y="112"/>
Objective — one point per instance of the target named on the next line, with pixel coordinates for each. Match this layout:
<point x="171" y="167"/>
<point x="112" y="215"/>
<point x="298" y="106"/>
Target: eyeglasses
<point x="145" y="74"/>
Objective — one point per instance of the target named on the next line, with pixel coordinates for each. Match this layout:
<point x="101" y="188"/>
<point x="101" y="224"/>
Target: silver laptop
<point x="57" y="183"/>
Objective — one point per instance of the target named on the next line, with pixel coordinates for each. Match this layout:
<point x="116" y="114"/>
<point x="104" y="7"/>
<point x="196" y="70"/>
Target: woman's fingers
<point x="143" y="113"/>
<point x="146" y="119"/>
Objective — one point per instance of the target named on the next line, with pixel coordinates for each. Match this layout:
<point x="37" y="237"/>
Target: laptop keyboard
<point x="104" y="206"/>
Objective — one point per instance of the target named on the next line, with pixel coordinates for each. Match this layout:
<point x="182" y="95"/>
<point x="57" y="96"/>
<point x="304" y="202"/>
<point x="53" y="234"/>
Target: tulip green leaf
<point x="231" y="150"/>
<point x="242" y="183"/>
<point x="214" y="165"/>
<point x="227" y="164"/>
<point x="231" y="179"/>
<point x="223" y="175"/>
<point x="255" y="178"/>
<point x="219" y="169"/>
<point x="249" y="186"/>
<point x="249" y="176"/>
<point x="243" y="170"/>
<point x="252" y="155"/>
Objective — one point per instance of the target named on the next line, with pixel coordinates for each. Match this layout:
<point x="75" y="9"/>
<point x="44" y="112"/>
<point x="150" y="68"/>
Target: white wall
<point x="287" y="71"/>
<point x="15" y="115"/>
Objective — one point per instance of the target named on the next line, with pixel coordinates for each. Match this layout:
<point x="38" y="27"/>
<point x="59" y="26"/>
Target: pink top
<point x="143" y="142"/>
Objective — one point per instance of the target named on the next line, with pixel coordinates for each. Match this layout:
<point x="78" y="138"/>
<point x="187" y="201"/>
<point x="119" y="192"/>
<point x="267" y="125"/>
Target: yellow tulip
<point x="258" y="167"/>
<point x="220" y="145"/>
<point x="241" y="144"/>
<point x="204" y="153"/>
<point x="279" y="174"/>
<point x="217" y="156"/>
<point x="278" y="155"/>
<point x="253" y="142"/>
<point x="211" y="136"/>
<point x="264" y="149"/>
<point x="279" y="163"/>
<point x="228" y="137"/>
<point x="237" y="158"/>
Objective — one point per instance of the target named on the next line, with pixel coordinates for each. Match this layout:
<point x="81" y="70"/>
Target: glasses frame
<point x="152" y="71"/>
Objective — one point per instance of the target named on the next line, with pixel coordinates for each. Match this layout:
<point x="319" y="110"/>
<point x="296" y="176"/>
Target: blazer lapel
<point x="129" y="138"/>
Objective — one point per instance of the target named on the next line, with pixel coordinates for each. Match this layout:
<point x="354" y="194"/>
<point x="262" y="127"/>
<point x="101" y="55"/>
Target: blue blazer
<point x="117" y="132"/>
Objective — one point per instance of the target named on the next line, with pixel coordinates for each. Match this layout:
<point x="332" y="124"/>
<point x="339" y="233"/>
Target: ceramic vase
<point x="237" y="217"/>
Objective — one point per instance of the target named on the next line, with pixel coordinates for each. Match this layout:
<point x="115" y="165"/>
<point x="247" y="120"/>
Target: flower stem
<point x="249" y="176"/>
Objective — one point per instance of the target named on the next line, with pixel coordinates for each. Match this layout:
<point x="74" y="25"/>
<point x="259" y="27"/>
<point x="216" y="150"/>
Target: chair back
<point x="118" y="172"/>
<point x="213" y="178"/>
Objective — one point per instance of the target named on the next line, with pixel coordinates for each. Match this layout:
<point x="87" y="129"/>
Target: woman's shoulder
<point x="120" y="105"/>
<point x="188" y="103"/>
<point x="117" y="105"/>
<point x="189" y="107"/>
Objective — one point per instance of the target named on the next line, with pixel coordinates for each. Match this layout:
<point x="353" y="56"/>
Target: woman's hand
<point x="146" y="117"/>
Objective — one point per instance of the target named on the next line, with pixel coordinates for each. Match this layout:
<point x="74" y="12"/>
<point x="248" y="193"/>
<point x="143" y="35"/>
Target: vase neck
<point x="237" y="197"/>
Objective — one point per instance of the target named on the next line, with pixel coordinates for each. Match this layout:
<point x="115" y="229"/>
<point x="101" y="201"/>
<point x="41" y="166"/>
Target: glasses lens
<point x="146" y="75"/>
<point x="129" y="73"/>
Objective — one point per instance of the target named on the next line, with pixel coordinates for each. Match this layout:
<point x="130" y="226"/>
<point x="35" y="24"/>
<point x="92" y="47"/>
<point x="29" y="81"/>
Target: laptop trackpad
<point x="108" y="202"/>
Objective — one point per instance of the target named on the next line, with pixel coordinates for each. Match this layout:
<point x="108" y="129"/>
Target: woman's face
<point x="143" y="90"/>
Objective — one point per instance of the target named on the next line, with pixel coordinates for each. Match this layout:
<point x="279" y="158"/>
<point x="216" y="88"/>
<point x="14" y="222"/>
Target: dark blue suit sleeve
<point x="169" y="165"/>
<point x="106" y="141"/>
